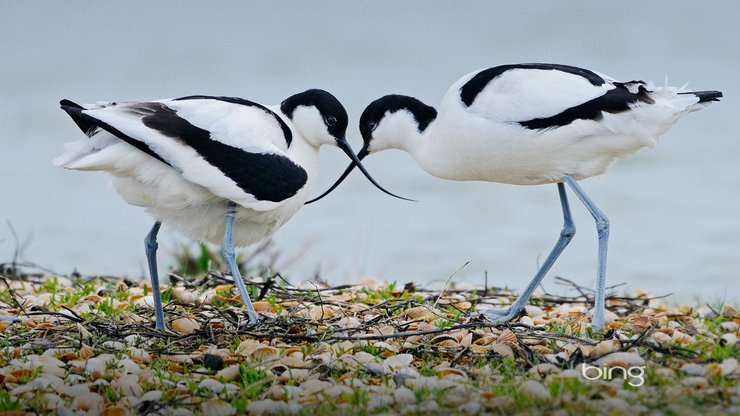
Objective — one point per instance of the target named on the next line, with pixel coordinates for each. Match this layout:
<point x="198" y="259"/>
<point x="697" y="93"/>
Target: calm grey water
<point x="674" y="210"/>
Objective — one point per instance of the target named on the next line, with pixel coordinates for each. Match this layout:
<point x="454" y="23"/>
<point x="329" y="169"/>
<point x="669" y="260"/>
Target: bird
<point x="222" y="170"/>
<point x="531" y="124"/>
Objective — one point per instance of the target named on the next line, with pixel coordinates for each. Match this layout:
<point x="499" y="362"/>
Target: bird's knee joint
<point x="569" y="230"/>
<point x="151" y="244"/>
<point x="602" y="224"/>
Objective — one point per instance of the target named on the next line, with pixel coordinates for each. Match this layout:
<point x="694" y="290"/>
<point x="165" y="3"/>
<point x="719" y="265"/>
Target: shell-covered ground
<point x="88" y="346"/>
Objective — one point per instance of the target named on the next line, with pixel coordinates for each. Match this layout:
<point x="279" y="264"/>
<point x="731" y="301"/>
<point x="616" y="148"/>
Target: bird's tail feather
<point x="705" y="96"/>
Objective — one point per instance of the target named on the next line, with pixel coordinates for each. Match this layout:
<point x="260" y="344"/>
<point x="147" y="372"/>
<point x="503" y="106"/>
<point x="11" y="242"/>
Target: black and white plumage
<point x="529" y="124"/>
<point x="215" y="168"/>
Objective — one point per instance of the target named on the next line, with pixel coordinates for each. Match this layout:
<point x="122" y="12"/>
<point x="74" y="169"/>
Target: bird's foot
<point x="166" y="331"/>
<point x="252" y="316"/>
<point x="597" y="325"/>
<point x="500" y="316"/>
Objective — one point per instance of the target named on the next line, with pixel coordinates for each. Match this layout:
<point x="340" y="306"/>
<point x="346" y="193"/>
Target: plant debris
<point x="88" y="346"/>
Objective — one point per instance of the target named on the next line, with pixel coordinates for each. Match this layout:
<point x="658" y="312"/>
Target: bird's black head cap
<point x="423" y="114"/>
<point x="333" y="112"/>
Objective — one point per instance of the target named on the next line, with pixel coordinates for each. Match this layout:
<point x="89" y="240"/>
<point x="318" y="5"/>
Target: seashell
<point x="369" y="282"/>
<point x="53" y="402"/>
<point x="665" y="372"/>
<point x="681" y="338"/>
<point x="695" y="382"/>
<point x="728" y="339"/>
<point x="88" y="402"/>
<point x="113" y="411"/>
<point x="586" y="349"/>
<point x="484" y="340"/>
<point x="337" y="391"/>
<point x="383" y="330"/>
<point x="348" y="322"/>
<point x="113" y="345"/>
<point x="730" y="326"/>
<point x="128" y="385"/>
<point x="279" y="392"/>
<point x="217" y="407"/>
<point x="540" y="371"/>
<point x="313" y="386"/>
<point x="271" y="407"/>
<point x="265" y="353"/>
<point x="729" y="366"/>
<point x="212" y="385"/>
<point x="462" y="305"/>
<point x="445" y="340"/>
<point x="728" y="311"/>
<point x="467" y="340"/>
<point x="503" y="350"/>
<point x="138" y="354"/>
<point x="40" y="383"/>
<point x="534" y="311"/>
<point x="186" y="297"/>
<point x="713" y="370"/>
<point x="452" y="372"/>
<point x="641" y="322"/>
<point x="128" y="366"/>
<point x="566" y="347"/>
<point x="419" y="313"/>
<point x="535" y="390"/>
<point x="661" y="337"/>
<point x="398" y="361"/>
<point x="386" y="346"/>
<point x="604" y="347"/>
<point x="91" y="299"/>
<point x="262" y="306"/>
<point x="404" y="396"/>
<point x="693" y="369"/>
<point x="293" y="374"/>
<point x="621" y="359"/>
<point x="177" y="358"/>
<point x="508" y="338"/>
<point x="526" y="320"/>
<point x="75" y="390"/>
<point x="246" y="347"/>
<point x="320" y="313"/>
<point x="541" y="349"/>
<point x="152" y="396"/>
<point x="185" y="326"/>
<point x="228" y="373"/>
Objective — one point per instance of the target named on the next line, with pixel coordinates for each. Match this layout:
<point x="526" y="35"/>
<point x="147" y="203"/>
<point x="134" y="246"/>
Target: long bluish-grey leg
<point x="602" y="230"/>
<point x="567" y="233"/>
<point x="150" y="244"/>
<point x="227" y="251"/>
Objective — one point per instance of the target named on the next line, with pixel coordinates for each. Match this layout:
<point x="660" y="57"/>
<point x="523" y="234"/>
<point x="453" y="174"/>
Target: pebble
<point x="534" y="389"/>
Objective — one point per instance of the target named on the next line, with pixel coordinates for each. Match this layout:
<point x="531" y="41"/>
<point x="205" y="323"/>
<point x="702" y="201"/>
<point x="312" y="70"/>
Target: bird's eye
<point x="330" y="120"/>
<point x="372" y="125"/>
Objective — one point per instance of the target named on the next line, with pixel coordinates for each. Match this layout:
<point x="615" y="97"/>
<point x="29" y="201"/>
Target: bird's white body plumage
<point x="485" y="142"/>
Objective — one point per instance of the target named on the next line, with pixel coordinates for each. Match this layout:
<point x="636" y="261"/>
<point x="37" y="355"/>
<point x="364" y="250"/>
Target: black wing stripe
<point x="472" y="88"/>
<point x="87" y="122"/>
<point x="241" y="101"/>
<point x="614" y="101"/>
<point x="268" y="177"/>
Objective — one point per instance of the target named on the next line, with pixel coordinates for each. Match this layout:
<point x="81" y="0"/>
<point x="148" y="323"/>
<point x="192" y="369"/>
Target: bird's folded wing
<point x="543" y="95"/>
<point x="233" y="149"/>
